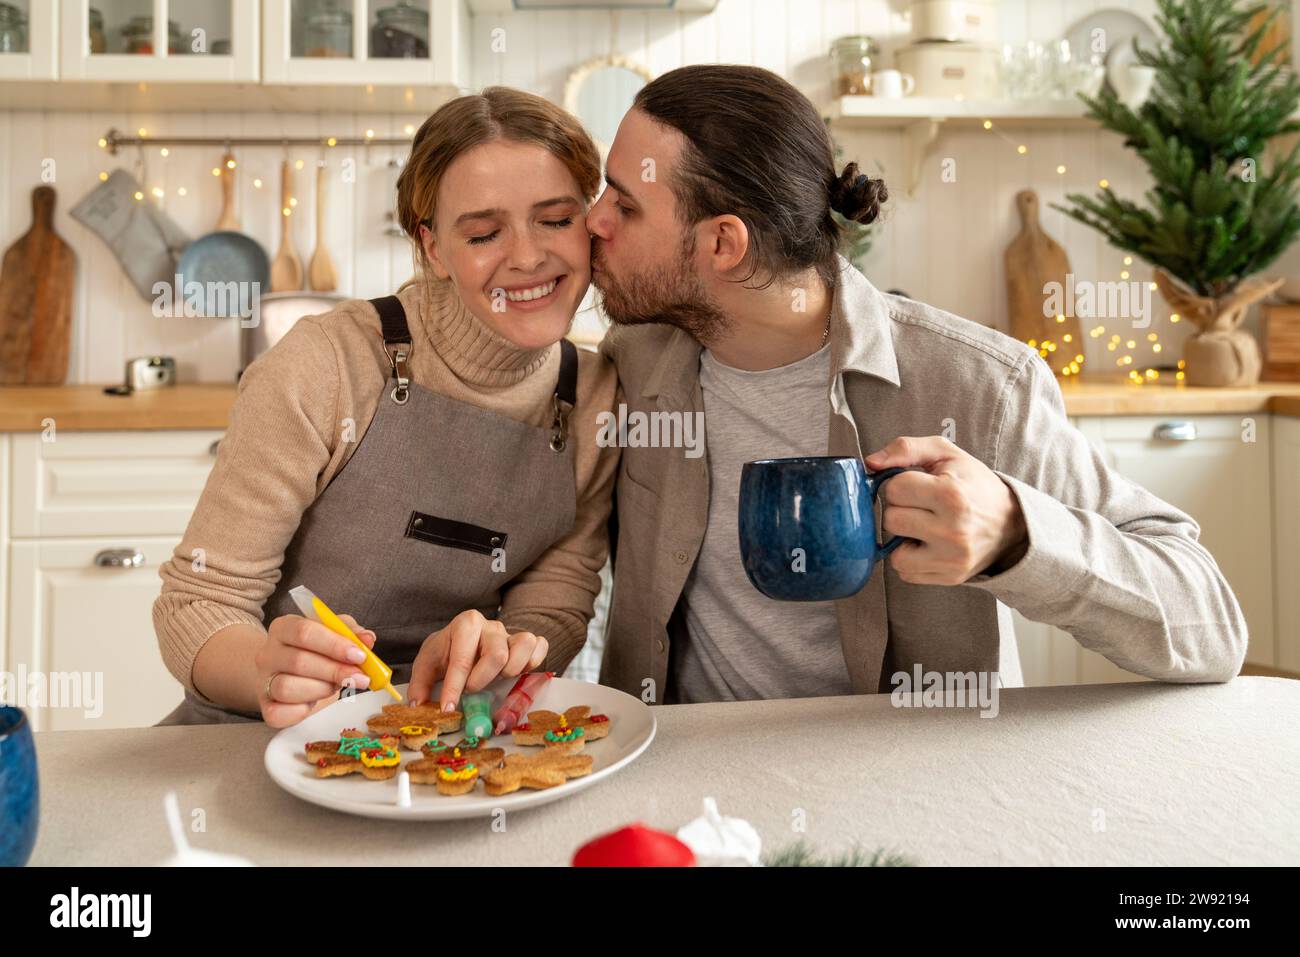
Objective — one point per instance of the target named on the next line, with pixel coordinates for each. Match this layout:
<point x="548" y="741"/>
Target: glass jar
<point x="13" y="29"/>
<point x="402" y="32"/>
<point x="328" y="32"/>
<point x="137" y="36"/>
<point x="852" y="61"/>
<point x="95" y="32"/>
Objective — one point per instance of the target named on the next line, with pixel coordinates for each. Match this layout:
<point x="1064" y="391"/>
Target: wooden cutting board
<point x="36" y="287"/>
<point x="1033" y="260"/>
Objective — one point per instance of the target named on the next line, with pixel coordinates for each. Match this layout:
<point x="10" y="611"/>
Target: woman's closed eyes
<point x="553" y="223"/>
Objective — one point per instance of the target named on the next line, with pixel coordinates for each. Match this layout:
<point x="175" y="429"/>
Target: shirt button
<point x="680" y="557"/>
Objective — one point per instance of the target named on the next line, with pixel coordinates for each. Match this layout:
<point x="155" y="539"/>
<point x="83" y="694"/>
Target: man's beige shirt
<point x="1107" y="561"/>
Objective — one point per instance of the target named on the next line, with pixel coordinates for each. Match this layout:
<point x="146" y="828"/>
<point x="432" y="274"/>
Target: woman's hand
<point x="468" y="655"/>
<point x="302" y="665"/>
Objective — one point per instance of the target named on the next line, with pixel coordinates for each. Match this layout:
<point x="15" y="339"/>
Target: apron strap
<point x="397" y="344"/>
<point x="566" y="394"/>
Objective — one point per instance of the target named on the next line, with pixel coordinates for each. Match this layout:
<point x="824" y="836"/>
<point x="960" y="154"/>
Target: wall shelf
<point x="921" y="119"/>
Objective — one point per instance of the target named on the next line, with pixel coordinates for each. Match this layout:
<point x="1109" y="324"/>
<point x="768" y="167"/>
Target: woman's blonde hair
<point x="461" y="124"/>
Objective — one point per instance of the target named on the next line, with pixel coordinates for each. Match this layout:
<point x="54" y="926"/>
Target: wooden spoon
<point x="228" y="220"/>
<point x="324" y="277"/>
<point x="286" y="268"/>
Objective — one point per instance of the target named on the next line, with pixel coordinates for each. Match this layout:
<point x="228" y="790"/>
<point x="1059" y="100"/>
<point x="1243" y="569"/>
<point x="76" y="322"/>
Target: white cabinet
<point x="81" y="621"/>
<point x="1217" y="469"/>
<point x="108" y="483"/>
<point x="1286" y="541"/>
<point x="1221" y="470"/>
<point x="29" y="41"/>
<point x="87" y="520"/>
<point x="159" y="41"/>
<point x="372" y="42"/>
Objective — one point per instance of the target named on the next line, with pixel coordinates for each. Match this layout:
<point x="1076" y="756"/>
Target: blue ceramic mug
<point x="807" y="527"/>
<point x="19" y="790"/>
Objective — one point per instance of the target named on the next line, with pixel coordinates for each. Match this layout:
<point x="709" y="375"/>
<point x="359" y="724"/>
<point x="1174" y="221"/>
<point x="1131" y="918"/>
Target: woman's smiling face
<point x="510" y="232"/>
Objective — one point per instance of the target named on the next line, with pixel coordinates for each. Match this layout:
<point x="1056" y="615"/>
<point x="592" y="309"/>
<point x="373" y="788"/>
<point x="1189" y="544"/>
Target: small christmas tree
<point x="1214" y="215"/>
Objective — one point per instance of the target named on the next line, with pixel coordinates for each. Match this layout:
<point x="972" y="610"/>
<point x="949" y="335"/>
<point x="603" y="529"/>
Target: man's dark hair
<point x="757" y="149"/>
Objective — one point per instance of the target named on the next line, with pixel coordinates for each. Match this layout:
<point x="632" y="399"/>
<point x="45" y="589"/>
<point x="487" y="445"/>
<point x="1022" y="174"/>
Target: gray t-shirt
<point x="741" y="644"/>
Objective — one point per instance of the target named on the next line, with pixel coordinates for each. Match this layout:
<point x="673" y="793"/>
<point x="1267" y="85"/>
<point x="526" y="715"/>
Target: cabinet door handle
<point x="212" y="449"/>
<point x="120" y="558"/>
<point x="1175" y="431"/>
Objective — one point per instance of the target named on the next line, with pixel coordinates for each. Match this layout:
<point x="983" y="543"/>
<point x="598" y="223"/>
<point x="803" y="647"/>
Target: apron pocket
<point x="454" y="534"/>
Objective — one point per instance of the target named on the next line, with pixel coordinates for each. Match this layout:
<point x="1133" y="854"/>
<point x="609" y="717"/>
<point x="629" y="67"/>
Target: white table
<point x="1128" y="774"/>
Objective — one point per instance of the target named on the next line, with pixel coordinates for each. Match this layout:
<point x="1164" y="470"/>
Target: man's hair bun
<point x="856" y="196"/>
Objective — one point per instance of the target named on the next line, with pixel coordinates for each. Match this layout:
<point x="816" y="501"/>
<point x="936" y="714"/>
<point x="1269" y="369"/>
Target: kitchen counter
<point x="87" y="408"/>
<point x="1114" y="395"/>
<point x="1121" y="774"/>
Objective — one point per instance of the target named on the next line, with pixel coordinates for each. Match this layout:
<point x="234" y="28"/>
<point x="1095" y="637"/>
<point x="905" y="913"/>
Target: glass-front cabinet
<point x="27" y="47"/>
<point x="365" y="41"/>
<point x="160" y="40"/>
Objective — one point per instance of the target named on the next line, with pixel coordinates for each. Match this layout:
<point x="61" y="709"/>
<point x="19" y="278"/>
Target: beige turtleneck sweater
<point x="284" y="445"/>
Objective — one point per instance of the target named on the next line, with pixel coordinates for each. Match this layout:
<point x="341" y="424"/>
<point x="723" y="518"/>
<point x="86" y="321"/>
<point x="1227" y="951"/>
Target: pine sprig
<point x="803" y="854"/>
<point x="1214" y="215"/>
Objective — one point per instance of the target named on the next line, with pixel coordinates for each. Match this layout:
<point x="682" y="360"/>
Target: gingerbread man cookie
<point x="545" y="770"/>
<point x="454" y="769"/>
<point x="564" y="733"/>
<point x="417" y="717"/>
<point x="374" y="757"/>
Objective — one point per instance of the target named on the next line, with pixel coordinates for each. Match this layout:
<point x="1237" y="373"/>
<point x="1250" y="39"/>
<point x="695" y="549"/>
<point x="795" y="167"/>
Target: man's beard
<point x="671" y="294"/>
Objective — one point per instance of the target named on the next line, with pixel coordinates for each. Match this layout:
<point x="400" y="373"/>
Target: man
<point x="716" y="256"/>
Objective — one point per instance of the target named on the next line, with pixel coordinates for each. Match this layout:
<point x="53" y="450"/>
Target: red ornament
<point x="634" y="846"/>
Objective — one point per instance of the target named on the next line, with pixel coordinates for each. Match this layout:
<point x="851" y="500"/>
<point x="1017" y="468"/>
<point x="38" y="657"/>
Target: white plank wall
<point x="943" y="245"/>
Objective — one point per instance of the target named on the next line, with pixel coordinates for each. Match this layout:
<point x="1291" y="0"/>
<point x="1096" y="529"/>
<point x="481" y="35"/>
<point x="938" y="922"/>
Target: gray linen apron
<point x="439" y="507"/>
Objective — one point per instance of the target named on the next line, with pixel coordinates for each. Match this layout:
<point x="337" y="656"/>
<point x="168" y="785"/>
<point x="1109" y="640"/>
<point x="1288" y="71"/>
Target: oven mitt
<point x="145" y="240"/>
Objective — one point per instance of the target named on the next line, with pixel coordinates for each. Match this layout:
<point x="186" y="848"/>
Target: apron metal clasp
<point x="397" y="360"/>
<point x="559" y="428"/>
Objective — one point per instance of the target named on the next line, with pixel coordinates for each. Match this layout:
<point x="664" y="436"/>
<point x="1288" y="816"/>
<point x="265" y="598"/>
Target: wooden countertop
<point x="87" y="408"/>
<point x="1115" y="395"/>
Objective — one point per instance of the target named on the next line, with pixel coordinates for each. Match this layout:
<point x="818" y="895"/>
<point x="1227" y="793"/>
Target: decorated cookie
<point x="415" y="736"/>
<point x="564" y="733"/>
<point x="374" y="757"/>
<point x="451" y="768"/>
<point x="544" y="770"/>
<point x="395" y="717"/>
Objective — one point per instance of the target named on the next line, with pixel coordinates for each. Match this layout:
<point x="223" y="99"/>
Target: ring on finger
<point x="267" y="690"/>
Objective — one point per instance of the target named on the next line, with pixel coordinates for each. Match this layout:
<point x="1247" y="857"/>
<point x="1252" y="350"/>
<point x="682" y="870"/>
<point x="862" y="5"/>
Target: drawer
<point x="108" y="483"/>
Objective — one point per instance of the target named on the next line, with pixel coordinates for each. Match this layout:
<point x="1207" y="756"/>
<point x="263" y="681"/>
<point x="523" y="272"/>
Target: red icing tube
<point x="518" y="701"/>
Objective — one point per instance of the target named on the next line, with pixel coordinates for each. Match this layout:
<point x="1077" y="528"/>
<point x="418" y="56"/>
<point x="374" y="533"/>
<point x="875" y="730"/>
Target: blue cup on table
<point x="808" y="528"/>
<point x="19" y="789"/>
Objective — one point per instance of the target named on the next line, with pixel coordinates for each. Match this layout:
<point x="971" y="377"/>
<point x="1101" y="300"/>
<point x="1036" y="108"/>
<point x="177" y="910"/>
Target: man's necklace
<point x="827" y="333"/>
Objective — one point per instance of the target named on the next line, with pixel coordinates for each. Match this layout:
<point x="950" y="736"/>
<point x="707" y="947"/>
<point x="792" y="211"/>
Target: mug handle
<point x="877" y="480"/>
<point x="909" y="84"/>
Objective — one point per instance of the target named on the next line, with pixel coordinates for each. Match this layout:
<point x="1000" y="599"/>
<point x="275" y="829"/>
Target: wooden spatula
<point x="286" y="267"/>
<point x="321" y="270"/>
<point x="227" y="219"/>
<point x="37" y="279"/>
<point x="1033" y="260"/>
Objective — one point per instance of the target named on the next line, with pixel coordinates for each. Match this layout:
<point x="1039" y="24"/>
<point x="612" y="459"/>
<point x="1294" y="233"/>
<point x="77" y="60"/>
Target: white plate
<point x="632" y="729"/>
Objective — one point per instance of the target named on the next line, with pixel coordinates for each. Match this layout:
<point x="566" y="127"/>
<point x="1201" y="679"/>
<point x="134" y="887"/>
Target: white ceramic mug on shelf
<point x="892" y="84"/>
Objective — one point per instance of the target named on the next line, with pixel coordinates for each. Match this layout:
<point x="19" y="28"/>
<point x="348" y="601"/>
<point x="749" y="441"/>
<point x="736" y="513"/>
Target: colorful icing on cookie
<point x="568" y="733"/>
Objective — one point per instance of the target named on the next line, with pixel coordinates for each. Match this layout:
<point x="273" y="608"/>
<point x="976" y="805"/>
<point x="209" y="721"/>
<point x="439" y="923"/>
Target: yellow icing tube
<point x="380" y="674"/>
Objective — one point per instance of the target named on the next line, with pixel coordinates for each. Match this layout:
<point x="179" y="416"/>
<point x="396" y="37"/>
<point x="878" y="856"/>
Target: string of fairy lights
<point x="1116" y="342"/>
<point x="1046" y="347"/>
<point x="229" y="165"/>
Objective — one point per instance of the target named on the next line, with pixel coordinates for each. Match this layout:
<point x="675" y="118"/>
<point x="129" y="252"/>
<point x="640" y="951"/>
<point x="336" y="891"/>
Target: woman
<point x="425" y="462"/>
